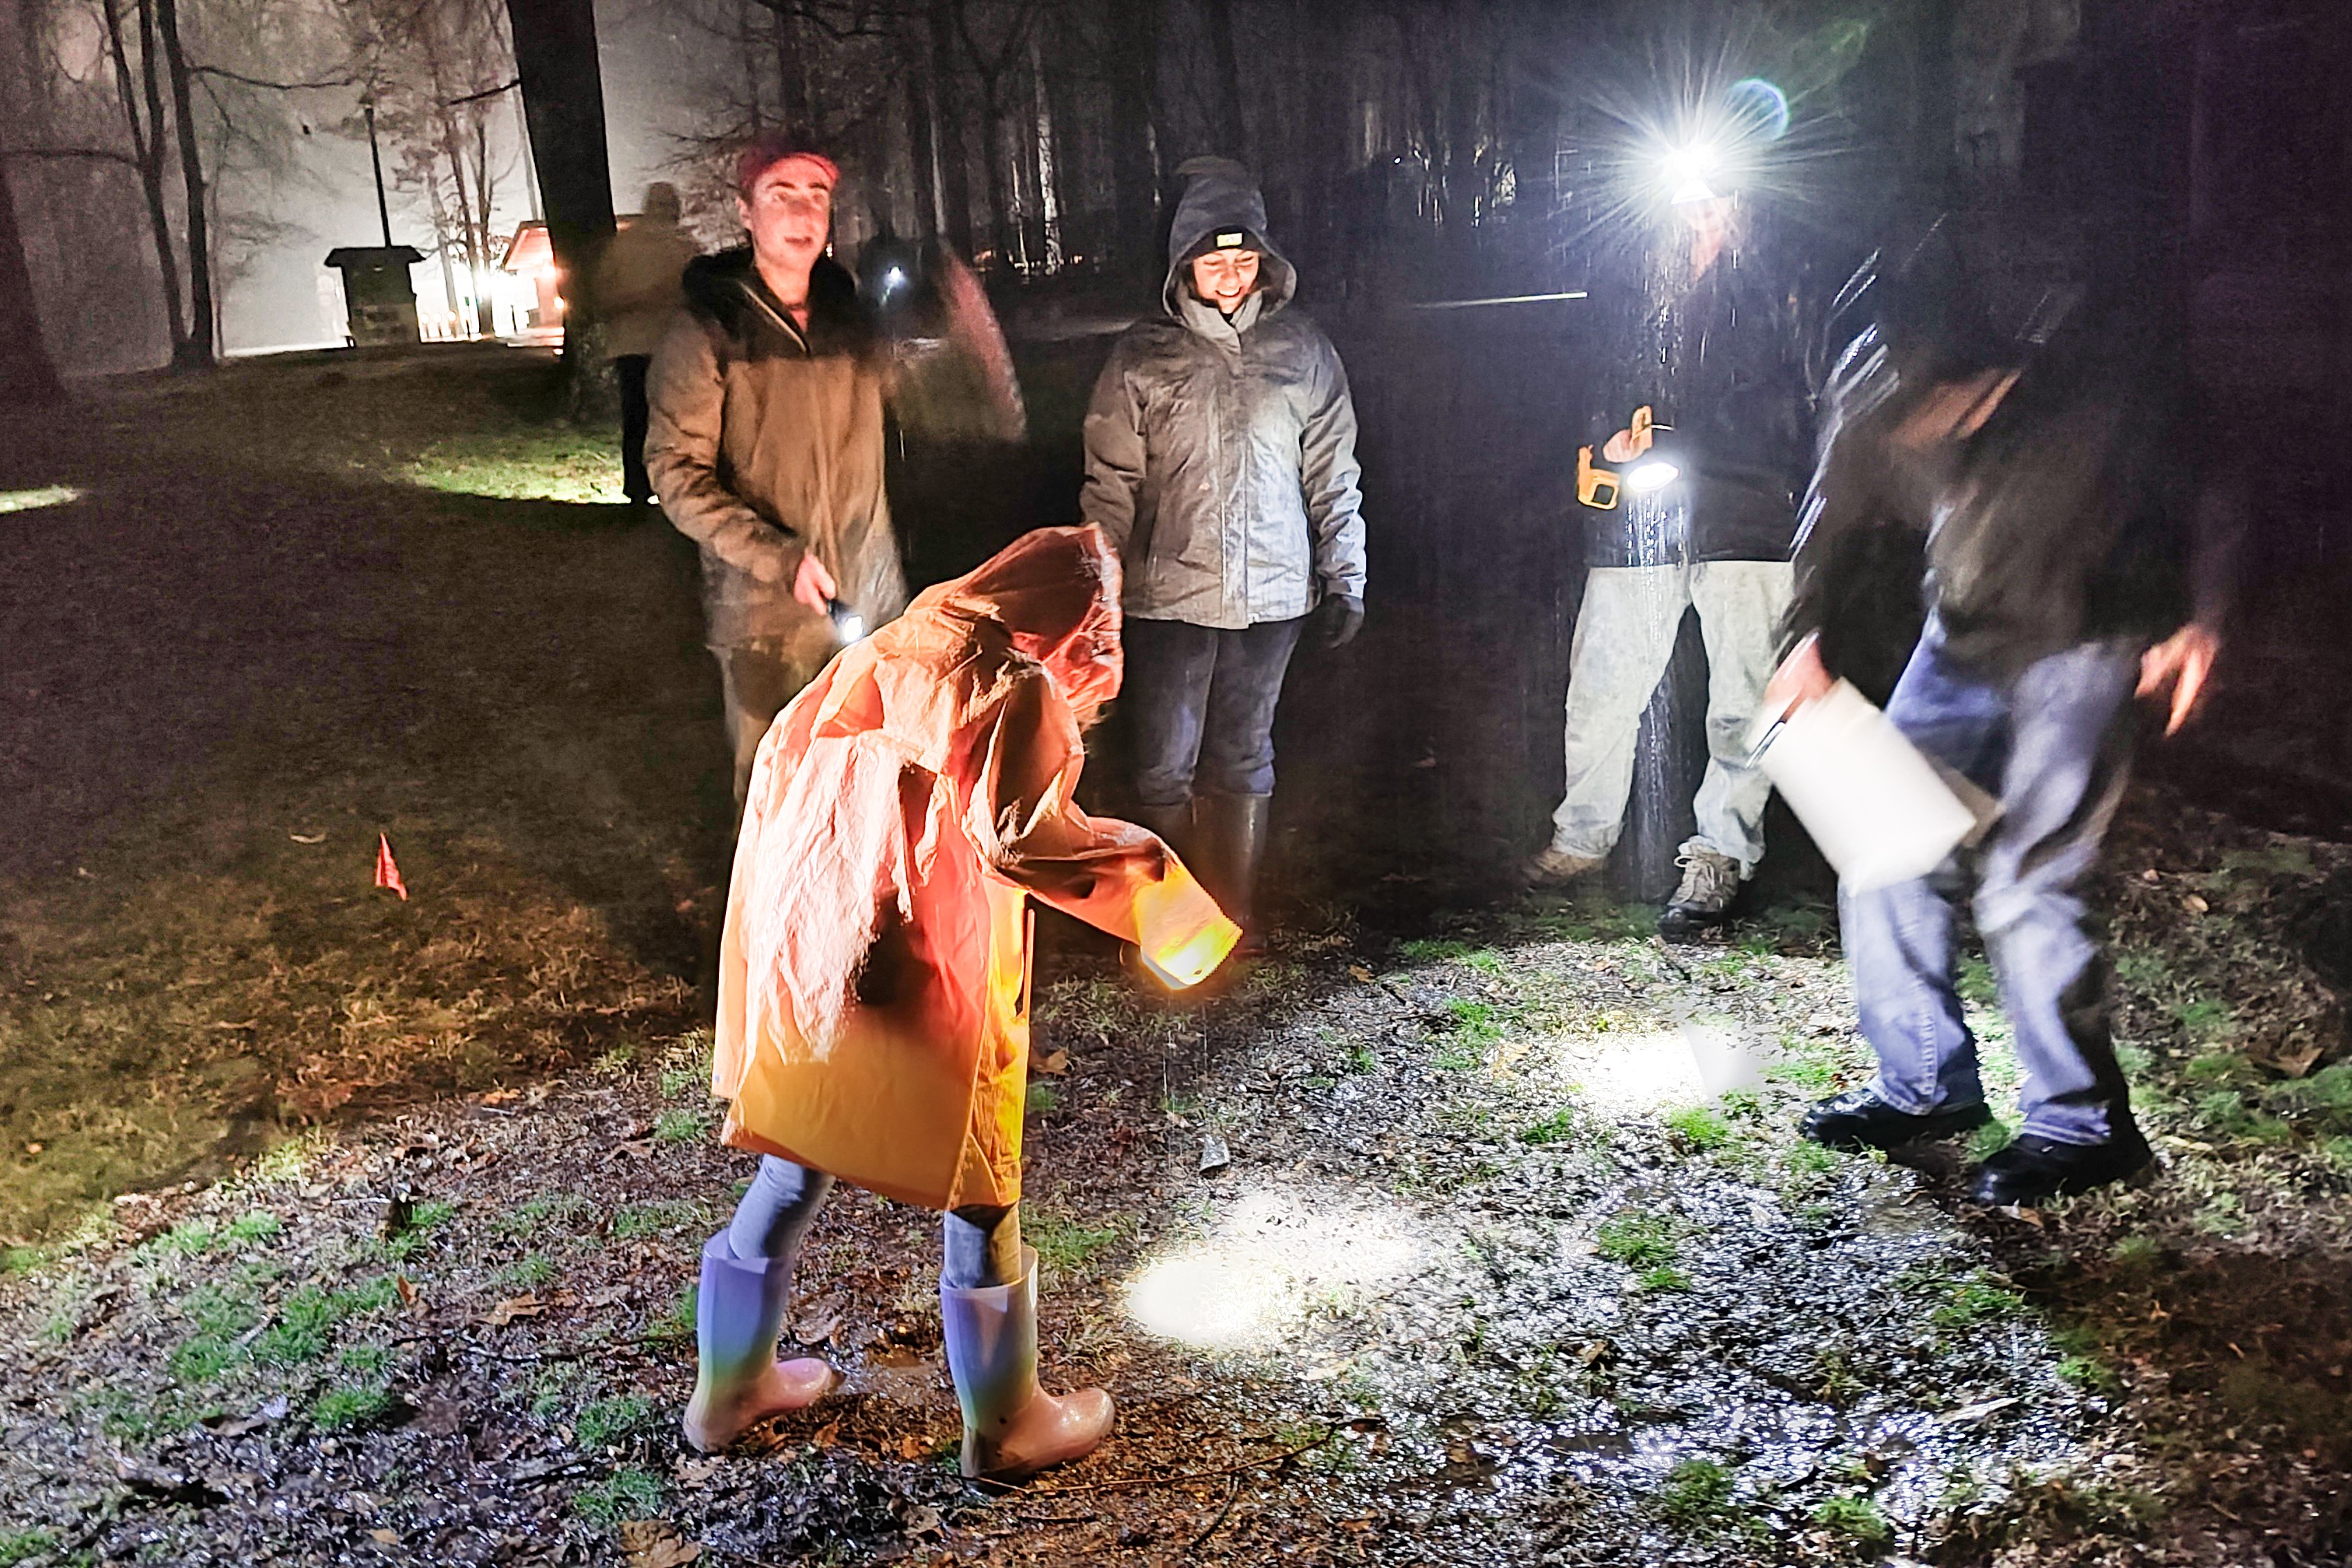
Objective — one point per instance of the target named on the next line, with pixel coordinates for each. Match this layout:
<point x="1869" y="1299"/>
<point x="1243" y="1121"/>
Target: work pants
<point x="2054" y="744"/>
<point x="980" y="1246"/>
<point x="756" y="680"/>
<point x="1201" y="700"/>
<point x="1624" y="640"/>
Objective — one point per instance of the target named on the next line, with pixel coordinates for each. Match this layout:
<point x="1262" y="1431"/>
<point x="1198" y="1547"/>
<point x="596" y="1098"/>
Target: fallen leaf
<point x="653" y="1543"/>
<point x="826" y="1435"/>
<point x="924" y="1520"/>
<point x="1054" y="1064"/>
<point x="513" y="1306"/>
<point x="500" y="1096"/>
<point x="816" y="1331"/>
<point x="382" y="1537"/>
<point x="32" y="1148"/>
<point x="913" y="1446"/>
<point x="2151" y="875"/>
<point x="1969" y="1415"/>
<point x="409" y="1294"/>
<point x="2195" y="904"/>
<point x="308" y="837"/>
<point x="697" y="1472"/>
<point x="1360" y="972"/>
<point x="1214" y="1154"/>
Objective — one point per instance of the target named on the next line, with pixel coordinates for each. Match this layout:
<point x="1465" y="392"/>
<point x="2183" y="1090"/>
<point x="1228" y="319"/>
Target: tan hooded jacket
<point x="873" y="973"/>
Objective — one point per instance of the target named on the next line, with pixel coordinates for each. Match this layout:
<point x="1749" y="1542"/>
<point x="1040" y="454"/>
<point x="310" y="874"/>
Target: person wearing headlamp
<point x="1221" y="460"/>
<point x="1688" y="499"/>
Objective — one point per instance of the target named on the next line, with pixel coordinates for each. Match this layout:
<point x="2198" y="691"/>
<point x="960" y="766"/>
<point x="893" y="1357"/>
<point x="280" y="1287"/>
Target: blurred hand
<point x="2181" y="662"/>
<point x="1802" y="678"/>
<point x="1339" y="618"/>
<point x="1620" y="447"/>
<point x="813" y="585"/>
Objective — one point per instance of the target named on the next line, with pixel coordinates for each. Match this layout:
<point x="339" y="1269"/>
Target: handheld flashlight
<point x="848" y="626"/>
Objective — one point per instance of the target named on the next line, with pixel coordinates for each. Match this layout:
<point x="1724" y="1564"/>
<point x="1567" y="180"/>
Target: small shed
<point x="379" y="301"/>
<point x="530" y="258"/>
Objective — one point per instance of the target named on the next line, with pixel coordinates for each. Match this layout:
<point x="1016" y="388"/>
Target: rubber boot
<point x="1233" y="830"/>
<point x="1012" y="1428"/>
<point x="738" y="1381"/>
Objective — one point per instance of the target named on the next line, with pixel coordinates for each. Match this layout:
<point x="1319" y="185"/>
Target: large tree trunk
<point x="563" y="100"/>
<point x="955" y="172"/>
<point x="198" y="351"/>
<point x="1131" y="29"/>
<point x="923" y="139"/>
<point x="27" y="379"/>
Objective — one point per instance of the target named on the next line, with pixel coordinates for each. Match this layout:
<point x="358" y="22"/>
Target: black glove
<point x="1339" y="618"/>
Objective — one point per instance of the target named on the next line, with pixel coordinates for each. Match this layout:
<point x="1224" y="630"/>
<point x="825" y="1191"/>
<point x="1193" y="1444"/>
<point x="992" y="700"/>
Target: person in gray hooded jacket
<point x="1221" y="461"/>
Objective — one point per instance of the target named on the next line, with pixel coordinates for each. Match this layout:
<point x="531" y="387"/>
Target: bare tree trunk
<point x="146" y="142"/>
<point x="792" y="76"/>
<point x="27" y="378"/>
<point x="923" y="137"/>
<point x="1233" y="133"/>
<point x="1131" y="29"/>
<point x="1049" y="196"/>
<point x="199" y="352"/>
<point x="955" y="172"/>
<point x="564" y="97"/>
<point x="486" y="319"/>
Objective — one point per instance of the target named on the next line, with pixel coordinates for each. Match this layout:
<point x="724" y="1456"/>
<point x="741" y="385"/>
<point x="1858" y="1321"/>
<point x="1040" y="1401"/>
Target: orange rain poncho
<point x="874" y="975"/>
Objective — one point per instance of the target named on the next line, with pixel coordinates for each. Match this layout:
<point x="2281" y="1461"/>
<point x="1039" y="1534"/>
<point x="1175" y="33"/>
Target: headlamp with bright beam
<point x="848" y="626"/>
<point x="1692" y="172"/>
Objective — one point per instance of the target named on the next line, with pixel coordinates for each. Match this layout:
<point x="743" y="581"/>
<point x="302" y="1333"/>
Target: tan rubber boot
<point x="1012" y="1428"/>
<point x="738" y="1382"/>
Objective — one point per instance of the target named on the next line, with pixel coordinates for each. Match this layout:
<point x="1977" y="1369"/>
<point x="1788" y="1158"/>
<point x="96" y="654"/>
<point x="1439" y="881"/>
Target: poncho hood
<point x="1055" y="592"/>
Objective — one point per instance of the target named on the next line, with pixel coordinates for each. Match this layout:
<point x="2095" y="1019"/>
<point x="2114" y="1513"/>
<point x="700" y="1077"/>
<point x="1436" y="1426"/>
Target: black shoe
<point x="1858" y="1119"/>
<point x="2035" y="1169"/>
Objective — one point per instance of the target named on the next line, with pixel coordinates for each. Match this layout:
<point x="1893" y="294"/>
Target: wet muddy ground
<point x="345" y="1229"/>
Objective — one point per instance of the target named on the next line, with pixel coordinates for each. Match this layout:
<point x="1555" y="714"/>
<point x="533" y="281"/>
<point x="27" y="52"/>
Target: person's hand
<point x="1339" y="618"/>
<point x="1803" y="677"/>
<point x="813" y="585"/>
<point x="2181" y="662"/>
<point x="1620" y="447"/>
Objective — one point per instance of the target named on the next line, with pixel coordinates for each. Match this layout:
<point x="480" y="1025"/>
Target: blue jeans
<point x="2054" y="744"/>
<point x="979" y="1247"/>
<point x="1202" y="701"/>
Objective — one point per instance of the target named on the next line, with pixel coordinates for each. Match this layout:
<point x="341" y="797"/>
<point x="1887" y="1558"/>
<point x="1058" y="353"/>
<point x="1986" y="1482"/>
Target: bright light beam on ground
<point x="34" y="500"/>
<point x="1273" y="1256"/>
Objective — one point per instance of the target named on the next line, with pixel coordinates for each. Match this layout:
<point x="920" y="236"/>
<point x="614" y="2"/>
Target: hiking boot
<point x="1703" y="901"/>
<point x="1858" y="1119"/>
<point x="1558" y="867"/>
<point x="2035" y="1169"/>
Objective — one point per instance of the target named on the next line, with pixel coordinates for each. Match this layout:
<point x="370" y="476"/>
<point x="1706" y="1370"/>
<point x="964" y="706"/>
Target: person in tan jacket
<point x="637" y="291"/>
<point x="873" y="1019"/>
<point x="765" y="439"/>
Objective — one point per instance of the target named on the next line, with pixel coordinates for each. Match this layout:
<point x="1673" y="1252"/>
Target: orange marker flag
<point x="387" y="870"/>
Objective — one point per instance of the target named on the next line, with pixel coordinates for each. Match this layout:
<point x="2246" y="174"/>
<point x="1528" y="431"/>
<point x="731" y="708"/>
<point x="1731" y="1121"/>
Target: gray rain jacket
<point x="1221" y="455"/>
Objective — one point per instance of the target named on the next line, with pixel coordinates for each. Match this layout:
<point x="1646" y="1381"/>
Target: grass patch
<point x="2206" y="1020"/>
<point x="624" y="1494"/>
<point x="603" y="1421"/>
<point x="1696" y="1495"/>
<point x="1066" y="1246"/>
<point x="1637" y="1241"/>
<point x="1858" y="1520"/>
<point x="1560" y="1127"/>
<point x="1972" y="1303"/>
<point x="259" y="1224"/>
<point x="2090" y="1374"/>
<point x="15" y="1261"/>
<point x="348" y="1404"/>
<point x="308" y="1316"/>
<point x="677" y="1322"/>
<point x="185" y="1239"/>
<point x="1985" y="1142"/>
<point x="1975" y="982"/>
<point x="1043" y="1100"/>
<point x="1700" y="1128"/>
<point x="17" y="1545"/>
<point x="1475" y="1023"/>
<point x="681" y="1126"/>
<point x="532" y="1269"/>
<point x="655" y="1218"/>
<point x="1665" y="1280"/>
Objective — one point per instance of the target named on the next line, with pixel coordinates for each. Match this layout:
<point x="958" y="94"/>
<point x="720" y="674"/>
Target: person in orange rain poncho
<point x="874" y="974"/>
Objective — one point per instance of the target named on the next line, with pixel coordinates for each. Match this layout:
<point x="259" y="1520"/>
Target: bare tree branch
<point x="241" y="78"/>
<point x="104" y="154"/>
<point x="504" y="87"/>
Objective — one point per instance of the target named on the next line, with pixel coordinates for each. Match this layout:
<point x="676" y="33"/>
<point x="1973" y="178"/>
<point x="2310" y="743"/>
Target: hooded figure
<point x="637" y="292"/>
<point x="874" y="974"/>
<point x="1220" y="461"/>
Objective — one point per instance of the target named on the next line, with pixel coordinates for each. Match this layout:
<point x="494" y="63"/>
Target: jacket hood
<point x="725" y="288"/>
<point x="1221" y="194"/>
<point x="1056" y="591"/>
